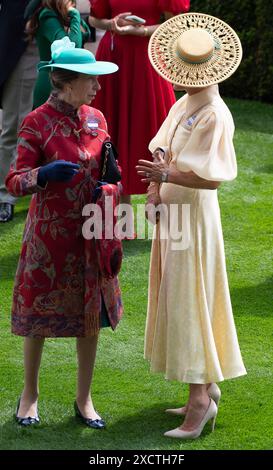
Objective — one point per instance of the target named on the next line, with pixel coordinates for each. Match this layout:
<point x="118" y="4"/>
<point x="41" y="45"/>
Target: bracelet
<point x="165" y="177"/>
<point x="110" y="25"/>
<point x="146" y="31"/>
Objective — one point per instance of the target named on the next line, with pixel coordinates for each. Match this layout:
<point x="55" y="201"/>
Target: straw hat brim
<point x="222" y="64"/>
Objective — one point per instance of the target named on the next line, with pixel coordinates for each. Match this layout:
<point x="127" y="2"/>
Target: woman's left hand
<point x="129" y="29"/>
<point x="152" y="171"/>
<point x="120" y="19"/>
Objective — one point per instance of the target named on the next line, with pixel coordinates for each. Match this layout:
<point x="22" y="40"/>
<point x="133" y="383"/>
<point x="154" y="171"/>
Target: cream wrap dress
<point x="190" y="332"/>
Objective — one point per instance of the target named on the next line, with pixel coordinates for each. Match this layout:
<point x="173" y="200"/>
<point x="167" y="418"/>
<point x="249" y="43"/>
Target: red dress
<point x="135" y="100"/>
<point x="58" y="288"/>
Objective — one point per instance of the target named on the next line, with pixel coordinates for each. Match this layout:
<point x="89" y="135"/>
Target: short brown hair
<point x="59" y="77"/>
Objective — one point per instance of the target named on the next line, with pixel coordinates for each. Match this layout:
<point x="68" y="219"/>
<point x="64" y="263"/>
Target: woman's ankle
<point x="199" y="401"/>
<point x="30" y="396"/>
<point x="83" y="400"/>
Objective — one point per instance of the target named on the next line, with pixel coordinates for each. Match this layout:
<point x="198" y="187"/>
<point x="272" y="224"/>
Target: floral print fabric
<point x="58" y="286"/>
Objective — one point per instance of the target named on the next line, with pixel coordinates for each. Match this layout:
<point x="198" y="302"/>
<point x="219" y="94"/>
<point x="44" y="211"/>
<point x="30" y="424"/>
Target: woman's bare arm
<point x="153" y="171"/>
<point x="120" y="26"/>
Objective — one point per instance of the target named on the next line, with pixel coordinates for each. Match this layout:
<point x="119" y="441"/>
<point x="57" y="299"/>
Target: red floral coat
<point x="58" y="287"/>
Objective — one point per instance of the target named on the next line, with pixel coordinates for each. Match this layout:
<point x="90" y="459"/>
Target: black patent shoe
<point x="6" y="211"/>
<point x="27" y="421"/>
<point x="91" y="423"/>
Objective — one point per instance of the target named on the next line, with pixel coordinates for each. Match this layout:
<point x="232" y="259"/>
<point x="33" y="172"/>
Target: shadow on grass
<point x="265" y="169"/>
<point x="254" y="300"/>
<point x="142" y="430"/>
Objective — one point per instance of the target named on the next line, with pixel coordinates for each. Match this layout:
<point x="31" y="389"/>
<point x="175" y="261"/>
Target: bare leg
<point x="86" y="349"/>
<point x="196" y="407"/>
<point x="129" y="232"/>
<point x="185" y="408"/>
<point x="33" y="349"/>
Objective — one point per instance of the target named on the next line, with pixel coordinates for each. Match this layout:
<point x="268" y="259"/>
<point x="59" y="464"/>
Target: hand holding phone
<point x="135" y="19"/>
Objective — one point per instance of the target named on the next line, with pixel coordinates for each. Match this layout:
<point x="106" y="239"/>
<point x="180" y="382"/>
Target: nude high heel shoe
<point x="214" y="392"/>
<point x="210" y="414"/>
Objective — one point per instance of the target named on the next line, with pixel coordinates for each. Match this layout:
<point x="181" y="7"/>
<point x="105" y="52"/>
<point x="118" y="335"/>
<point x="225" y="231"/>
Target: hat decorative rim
<point x="181" y="70"/>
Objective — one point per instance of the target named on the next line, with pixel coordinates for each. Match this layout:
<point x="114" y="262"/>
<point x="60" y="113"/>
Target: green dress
<point x="50" y="29"/>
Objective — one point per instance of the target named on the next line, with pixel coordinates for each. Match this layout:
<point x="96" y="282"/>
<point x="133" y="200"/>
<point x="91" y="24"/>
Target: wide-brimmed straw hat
<point x="64" y="55"/>
<point x="195" y="50"/>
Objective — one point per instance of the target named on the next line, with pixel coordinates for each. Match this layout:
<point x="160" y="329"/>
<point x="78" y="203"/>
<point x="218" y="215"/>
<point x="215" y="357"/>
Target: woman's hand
<point x="152" y="171"/>
<point x="70" y="5"/>
<point x="59" y="170"/>
<point x="128" y="30"/>
<point x="121" y="21"/>
<point x="153" y="200"/>
<point x="157" y="154"/>
<point x="124" y="27"/>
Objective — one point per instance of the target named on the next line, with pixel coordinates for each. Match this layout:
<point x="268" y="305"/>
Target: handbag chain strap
<point x="107" y="151"/>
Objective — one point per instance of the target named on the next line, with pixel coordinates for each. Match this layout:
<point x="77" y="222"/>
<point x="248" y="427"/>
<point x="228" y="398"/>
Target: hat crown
<point x="65" y="56"/>
<point x="74" y="56"/>
<point x="195" y="50"/>
<point x="195" y="45"/>
<point x="63" y="51"/>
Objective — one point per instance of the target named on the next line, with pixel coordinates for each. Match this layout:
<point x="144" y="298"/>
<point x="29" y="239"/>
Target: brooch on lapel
<point x="91" y="125"/>
<point x="191" y="120"/>
<point x="188" y="122"/>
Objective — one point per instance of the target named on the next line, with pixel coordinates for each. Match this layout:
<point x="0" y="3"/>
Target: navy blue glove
<point x="60" y="170"/>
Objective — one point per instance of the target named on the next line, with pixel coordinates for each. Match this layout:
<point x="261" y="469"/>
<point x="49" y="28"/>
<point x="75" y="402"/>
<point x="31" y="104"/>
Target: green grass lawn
<point x="132" y="400"/>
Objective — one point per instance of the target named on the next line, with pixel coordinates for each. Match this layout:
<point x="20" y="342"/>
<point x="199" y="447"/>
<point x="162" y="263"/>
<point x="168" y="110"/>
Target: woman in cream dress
<point x="190" y="331"/>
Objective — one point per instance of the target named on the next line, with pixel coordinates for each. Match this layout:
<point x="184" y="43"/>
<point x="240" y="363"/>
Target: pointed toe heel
<point x="210" y="415"/>
<point x="176" y="411"/>
<point x="214" y="392"/>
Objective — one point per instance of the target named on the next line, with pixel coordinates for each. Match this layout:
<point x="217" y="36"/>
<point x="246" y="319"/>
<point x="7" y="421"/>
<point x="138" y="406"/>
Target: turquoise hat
<point x="64" y="55"/>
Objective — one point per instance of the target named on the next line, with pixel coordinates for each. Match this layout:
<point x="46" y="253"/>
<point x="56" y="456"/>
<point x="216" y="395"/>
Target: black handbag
<point x="110" y="172"/>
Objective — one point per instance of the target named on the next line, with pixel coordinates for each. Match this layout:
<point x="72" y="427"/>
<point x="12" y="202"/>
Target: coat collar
<point x="62" y="106"/>
<point x="203" y="98"/>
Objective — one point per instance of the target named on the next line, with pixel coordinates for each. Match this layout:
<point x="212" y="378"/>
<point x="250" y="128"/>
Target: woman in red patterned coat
<point x="59" y="291"/>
